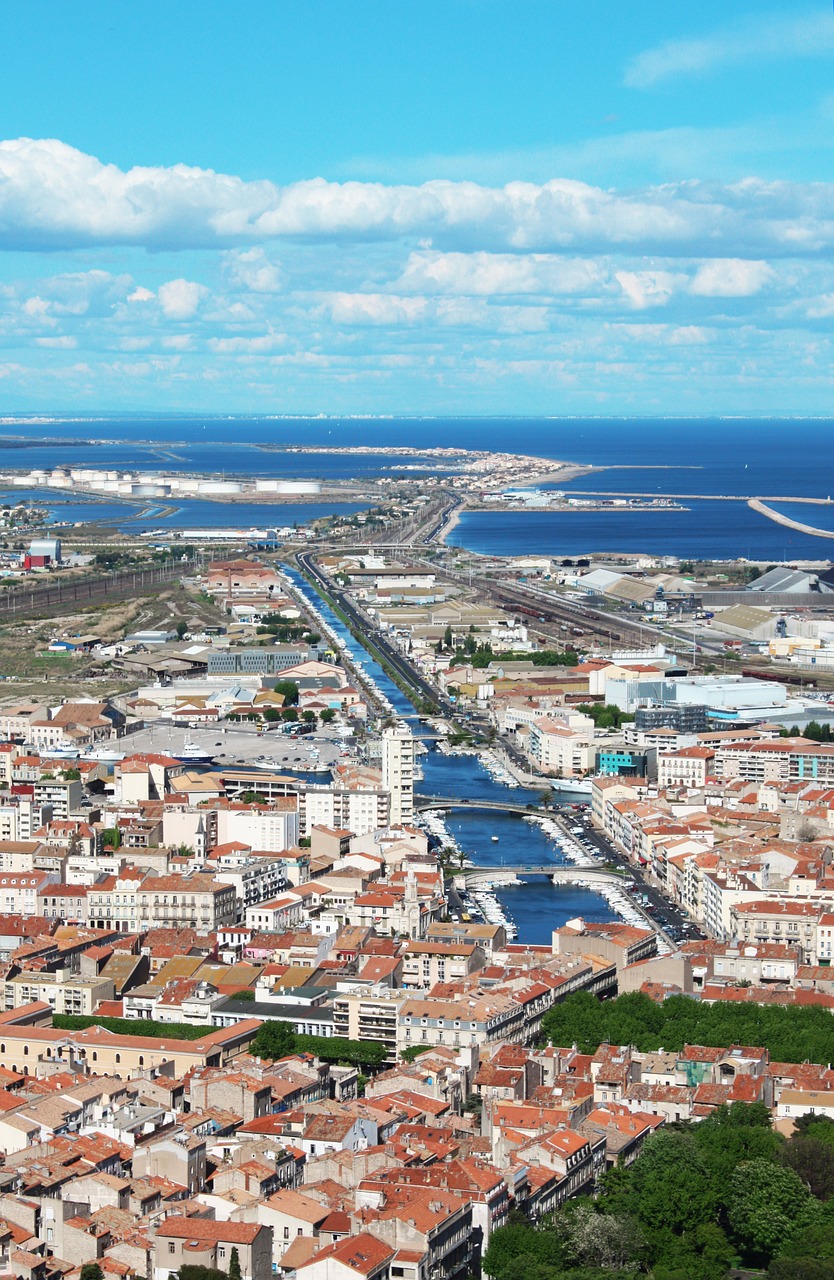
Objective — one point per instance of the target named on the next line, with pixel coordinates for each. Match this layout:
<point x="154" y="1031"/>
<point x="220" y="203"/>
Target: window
<point x="221" y="1251"/>
<point x="172" y="1248"/>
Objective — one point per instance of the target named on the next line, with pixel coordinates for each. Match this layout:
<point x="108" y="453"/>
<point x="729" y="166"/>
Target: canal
<point x="536" y="905"/>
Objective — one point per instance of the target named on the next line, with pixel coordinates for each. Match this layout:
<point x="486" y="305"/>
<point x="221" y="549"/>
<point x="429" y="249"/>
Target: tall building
<point x="398" y="773"/>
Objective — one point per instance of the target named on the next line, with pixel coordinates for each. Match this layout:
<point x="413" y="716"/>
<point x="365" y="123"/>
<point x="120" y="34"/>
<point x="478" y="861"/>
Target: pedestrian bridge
<point x="471" y="877"/>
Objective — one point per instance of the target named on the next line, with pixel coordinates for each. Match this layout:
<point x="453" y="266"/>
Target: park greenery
<point x="792" y="1034"/>
<point x="481" y="655"/>
<point x="273" y="1039"/>
<point x="700" y="1200"/>
<point x="131" y="1026"/>
<point x="813" y="731"/>
<point x="277" y="1039"/>
<point x="605" y="715"/>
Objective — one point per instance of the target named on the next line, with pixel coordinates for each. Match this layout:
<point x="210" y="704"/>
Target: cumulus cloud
<point x="808" y="34"/>
<point x="730" y="278"/>
<point x="179" y="299"/>
<point x="648" y="288"/>
<point x="52" y="195"/>
<point x="252" y="269"/>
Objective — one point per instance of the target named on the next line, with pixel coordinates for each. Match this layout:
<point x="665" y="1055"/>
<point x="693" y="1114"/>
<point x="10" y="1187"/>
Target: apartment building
<point x="195" y="901"/>
<point x="20" y="818"/>
<point x="688" y="767"/>
<point x="788" y="760"/>
<point x="191" y="1241"/>
<point x="459" y="1024"/>
<point x="360" y="809"/>
<point x="783" y="920"/>
<point x="253" y="879"/>
<point x="398" y="773"/>
<point x="62" y="990"/>
<point x="19" y="891"/>
<point x="425" y="963"/>
<point x="559" y="750"/>
<point x="136" y="900"/>
<point x="371" y="1015"/>
<point x="62" y="795"/>
<point x="271" y="829"/>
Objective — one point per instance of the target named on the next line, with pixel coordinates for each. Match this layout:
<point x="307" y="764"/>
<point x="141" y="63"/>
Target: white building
<point x="398" y="773"/>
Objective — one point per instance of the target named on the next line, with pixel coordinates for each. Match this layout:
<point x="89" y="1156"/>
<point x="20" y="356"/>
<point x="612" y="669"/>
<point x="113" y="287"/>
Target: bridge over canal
<point x="471" y="877"/>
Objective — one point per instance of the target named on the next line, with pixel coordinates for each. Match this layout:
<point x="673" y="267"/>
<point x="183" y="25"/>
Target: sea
<point x="773" y="458"/>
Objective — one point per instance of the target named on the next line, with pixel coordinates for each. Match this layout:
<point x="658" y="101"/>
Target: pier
<point x="756" y="504"/>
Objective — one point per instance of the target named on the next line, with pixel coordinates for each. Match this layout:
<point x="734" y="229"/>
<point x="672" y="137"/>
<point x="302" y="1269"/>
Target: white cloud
<point x="251" y="269"/>
<point x="375" y="308"/>
<point x="52" y="195"/>
<point x="62" y="342"/>
<point x="179" y="299"/>
<point x="809" y="34"/>
<point x="730" y="278"/>
<point x="648" y="288"/>
<point x="492" y="274"/>
<point x="259" y="345"/>
<point x="141" y="294"/>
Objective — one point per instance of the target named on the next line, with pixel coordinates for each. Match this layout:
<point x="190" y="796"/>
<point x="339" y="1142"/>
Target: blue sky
<point x="470" y="206"/>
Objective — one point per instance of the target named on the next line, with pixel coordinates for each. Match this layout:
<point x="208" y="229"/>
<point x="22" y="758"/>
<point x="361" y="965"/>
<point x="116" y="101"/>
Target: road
<point x="673" y="921"/>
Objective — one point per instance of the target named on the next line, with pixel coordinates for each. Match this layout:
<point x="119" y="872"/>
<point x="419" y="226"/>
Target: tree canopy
<point x="699" y="1200"/>
<point x="792" y="1034"/>
<point x="276" y="1039"/>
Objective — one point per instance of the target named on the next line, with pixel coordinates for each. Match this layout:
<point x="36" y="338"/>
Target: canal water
<point x="536" y="905"/>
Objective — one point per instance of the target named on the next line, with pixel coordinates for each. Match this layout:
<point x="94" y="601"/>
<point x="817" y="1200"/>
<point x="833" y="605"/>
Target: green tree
<point x="181" y="628"/>
<point x="91" y="1271"/>
<point x="513" y="1245"/>
<point x="192" y="1272"/>
<point x="413" y="1051"/>
<point x="273" y="1040"/>
<point x="309" y="717"/>
<point x="111" y="837"/>
<point x="809" y="1268"/>
<point x="289" y="689"/>
<point x="234" y="1265"/>
<point x="669" y="1190"/>
<point x="813" y="1161"/>
<point x="328" y="715"/>
<point x="766" y="1206"/>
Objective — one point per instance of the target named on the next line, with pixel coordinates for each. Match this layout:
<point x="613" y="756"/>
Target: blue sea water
<point x="774" y="458"/>
<point x="710" y="456"/>
<point x="707" y="529"/>
<point x="188" y="513"/>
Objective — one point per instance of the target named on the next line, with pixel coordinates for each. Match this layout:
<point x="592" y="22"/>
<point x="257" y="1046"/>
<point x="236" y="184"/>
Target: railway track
<point x="78" y="593"/>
